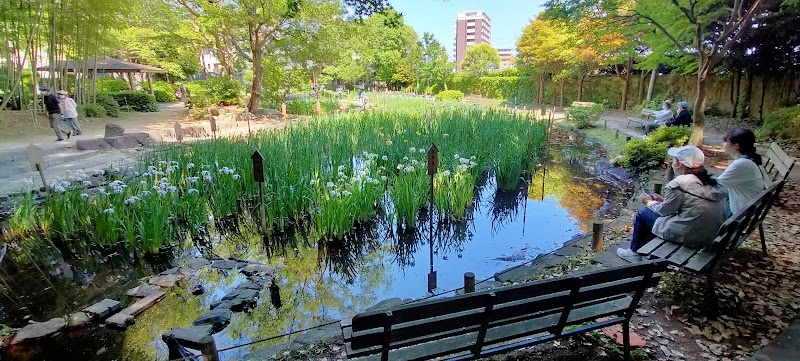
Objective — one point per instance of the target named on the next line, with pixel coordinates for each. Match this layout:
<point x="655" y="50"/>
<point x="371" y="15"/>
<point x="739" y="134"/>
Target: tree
<point x="435" y="68"/>
<point x="480" y="58"/>
<point x="703" y="29"/>
<point x="547" y="47"/>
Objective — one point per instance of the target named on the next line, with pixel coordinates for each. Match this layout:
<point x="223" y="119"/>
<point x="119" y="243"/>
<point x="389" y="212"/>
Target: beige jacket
<point x="691" y="213"/>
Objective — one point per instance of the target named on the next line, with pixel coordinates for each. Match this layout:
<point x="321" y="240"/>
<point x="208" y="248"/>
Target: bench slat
<point x="417" y="311"/>
<point x="651" y="246"/>
<point x="608" y="289"/>
<point x="682" y="255"/>
<point x="778" y="164"/>
<point x="593" y="312"/>
<point x="441" y="326"/>
<point x="511" y="311"/>
<point x="700" y="260"/>
<point x="618" y="273"/>
<point x="781" y="155"/>
<point x="666" y="250"/>
<point x="531" y="290"/>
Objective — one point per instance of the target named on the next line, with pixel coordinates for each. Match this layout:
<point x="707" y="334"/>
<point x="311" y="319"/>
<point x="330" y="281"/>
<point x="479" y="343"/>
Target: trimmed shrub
<point x="111" y="106"/>
<point x="108" y="85"/>
<point x="219" y="90"/>
<point x="91" y="110"/>
<point x="585" y="117"/>
<point x="642" y="155"/>
<point x="199" y="101"/>
<point x="450" y="95"/>
<point x="164" y="92"/>
<point x="139" y="101"/>
<point x="783" y="123"/>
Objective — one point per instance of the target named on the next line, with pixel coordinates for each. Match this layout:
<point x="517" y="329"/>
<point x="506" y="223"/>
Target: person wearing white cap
<point x="691" y="211"/>
<point x="70" y="113"/>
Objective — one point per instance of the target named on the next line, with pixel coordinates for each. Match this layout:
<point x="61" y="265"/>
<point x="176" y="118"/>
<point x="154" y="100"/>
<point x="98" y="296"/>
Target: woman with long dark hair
<point x="744" y="177"/>
<point x="691" y="211"/>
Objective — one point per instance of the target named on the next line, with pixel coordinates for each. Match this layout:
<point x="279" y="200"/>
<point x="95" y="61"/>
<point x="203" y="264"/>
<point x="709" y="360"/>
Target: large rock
<point x="114" y="130"/>
<point x="218" y="319"/>
<point x="39" y="330"/>
<point x="192" y="337"/>
<point x="225" y="264"/>
<point x="103" y="308"/>
<point x="258" y="269"/>
<point x="241" y="293"/>
<point x="165" y="281"/>
<point x="92" y="144"/>
<point x="77" y="319"/>
<point x="142" y="137"/>
<point x="197" y="263"/>
<point x="122" y="142"/>
<point x="143" y="291"/>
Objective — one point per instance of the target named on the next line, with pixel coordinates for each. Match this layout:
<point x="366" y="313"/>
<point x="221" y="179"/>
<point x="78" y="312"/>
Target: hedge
<point x="139" y="101"/>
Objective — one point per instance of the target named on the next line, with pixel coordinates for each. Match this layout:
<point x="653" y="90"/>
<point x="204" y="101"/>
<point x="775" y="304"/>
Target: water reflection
<point x="317" y="281"/>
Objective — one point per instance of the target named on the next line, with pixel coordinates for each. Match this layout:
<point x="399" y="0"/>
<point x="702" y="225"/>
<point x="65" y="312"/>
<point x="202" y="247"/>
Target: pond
<point x="319" y="281"/>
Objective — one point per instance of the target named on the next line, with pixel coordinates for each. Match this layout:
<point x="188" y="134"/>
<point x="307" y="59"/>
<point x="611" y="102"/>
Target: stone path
<point x="783" y="348"/>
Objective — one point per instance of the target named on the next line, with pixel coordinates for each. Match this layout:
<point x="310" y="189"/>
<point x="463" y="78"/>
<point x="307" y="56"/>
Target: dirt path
<point x="17" y="132"/>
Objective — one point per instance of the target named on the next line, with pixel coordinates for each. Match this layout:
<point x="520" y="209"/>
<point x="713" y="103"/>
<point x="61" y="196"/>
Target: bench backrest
<point x="742" y="224"/>
<point x="778" y="164"/>
<point x="543" y="306"/>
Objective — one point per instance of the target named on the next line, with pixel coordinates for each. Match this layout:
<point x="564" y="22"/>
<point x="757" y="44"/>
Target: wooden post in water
<point x="469" y="282"/>
<point x="597" y="235"/>
<point x="258" y="177"/>
<point x="433" y="168"/>
<point x="208" y="348"/>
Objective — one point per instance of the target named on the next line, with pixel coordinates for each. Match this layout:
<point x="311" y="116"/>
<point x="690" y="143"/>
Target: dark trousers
<point x="643" y="227"/>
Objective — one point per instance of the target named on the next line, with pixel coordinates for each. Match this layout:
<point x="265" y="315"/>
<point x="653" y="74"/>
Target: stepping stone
<point x="77" y="319"/>
<point x="39" y="330"/>
<point x="197" y="263"/>
<point x="258" y="269"/>
<point x="218" y="319"/>
<point x="568" y="251"/>
<point x="125" y="317"/>
<point x="547" y="261"/>
<point x="318" y="334"/>
<point x="609" y="258"/>
<point x="113" y="130"/>
<point x="92" y="144"/>
<point x="245" y="293"/>
<point x="165" y="281"/>
<point x="251" y="286"/>
<point x="143" y="291"/>
<point x="103" y="308"/>
<point x="170" y="271"/>
<point x="191" y="337"/>
<point x="221" y="305"/>
<point x="224" y="264"/>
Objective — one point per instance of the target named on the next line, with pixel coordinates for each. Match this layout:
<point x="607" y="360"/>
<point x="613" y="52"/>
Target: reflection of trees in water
<point x="506" y="205"/>
<point x="451" y="236"/>
<point x="343" y="257"/>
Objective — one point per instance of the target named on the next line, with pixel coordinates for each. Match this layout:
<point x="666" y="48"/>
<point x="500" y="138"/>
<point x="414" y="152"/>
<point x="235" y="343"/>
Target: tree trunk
<point x="642" y="77"/>
<point x="764" y="84"/>
<point x="652" y="84"/>
<point x="258" y="70"/>
<point x="580" y="87"/>
<point x="748" y="95"/>
<point x="737" y="92"/>
<point x="540" y="90"/>
<point x="561" y="96"/>
<point x="696" y="138"/>
<point x="624" y="103"/>
<point x="789" y="89"/>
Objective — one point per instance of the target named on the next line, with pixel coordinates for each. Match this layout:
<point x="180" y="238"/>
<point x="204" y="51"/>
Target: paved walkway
<point x="786" y="347"/>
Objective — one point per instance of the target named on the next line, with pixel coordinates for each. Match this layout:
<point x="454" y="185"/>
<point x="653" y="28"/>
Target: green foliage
<point x="450" y="95"/>
<point x="164" y="92"/>
<point x="109" y="104"/>
<point x="139" y="101"/>
<point x="109" y="85"/>
<point x="479" y="59"/>
<point x="91" y="110"/>
<point x="783" y="124"/>
<point x="642" y="155"/>
<point x="307" y="106"/>
<point x="585" y="117"/>
<point x="219" y="90"/>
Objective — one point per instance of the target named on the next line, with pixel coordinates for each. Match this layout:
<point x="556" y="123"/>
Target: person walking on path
<point x="744" y="177"/>
<point x="53" y="111"/>
<point x="69" y="111"/>
<point x="693" y="208"/>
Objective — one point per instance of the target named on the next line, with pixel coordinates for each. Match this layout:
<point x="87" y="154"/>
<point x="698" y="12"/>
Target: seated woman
<point x="661" y="117"/>
<point x="693" y="208"/>
<point x="744" y="177"/>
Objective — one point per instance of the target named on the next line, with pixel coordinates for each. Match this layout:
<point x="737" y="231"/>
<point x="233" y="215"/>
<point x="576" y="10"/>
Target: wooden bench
<point x="777" y="163"/>
<point x="731" y="234"/>
<point x="646" y="113"/>
<point x="488" y="323"/>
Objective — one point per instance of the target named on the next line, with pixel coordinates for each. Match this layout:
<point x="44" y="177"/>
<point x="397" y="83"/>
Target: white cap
<point x="689" y="155"/>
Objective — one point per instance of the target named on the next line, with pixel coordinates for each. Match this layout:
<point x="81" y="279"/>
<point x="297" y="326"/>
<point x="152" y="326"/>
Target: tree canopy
<point x="480" y="58"/>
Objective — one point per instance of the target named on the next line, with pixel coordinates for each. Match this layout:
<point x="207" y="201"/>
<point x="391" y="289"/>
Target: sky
<point x="509" y="17"/>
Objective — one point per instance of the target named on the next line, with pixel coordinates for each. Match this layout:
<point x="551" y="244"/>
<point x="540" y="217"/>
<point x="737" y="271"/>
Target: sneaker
<point x="69" y="135"/>
<point x="628" y="255"/>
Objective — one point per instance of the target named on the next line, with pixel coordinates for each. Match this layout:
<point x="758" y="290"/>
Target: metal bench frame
<point x="483" y="324"/>
<point x="646" y="113"/>
<point x="735" y="230"/>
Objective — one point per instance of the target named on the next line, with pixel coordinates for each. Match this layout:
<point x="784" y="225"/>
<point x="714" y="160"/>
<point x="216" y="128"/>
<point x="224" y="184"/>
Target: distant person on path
<point x="693" y="208"/>
<point x="53" y="111"/>
<point x="69" y="110"/>
<point x="362" y="99"/>
<point x="339" y="91"/>
<point x="744" y="177"/>
<point x="661" y="117"/>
